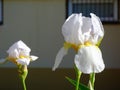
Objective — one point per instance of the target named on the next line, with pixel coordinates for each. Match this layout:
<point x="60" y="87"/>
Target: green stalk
<point x="78" y="78"/>
<point x="92" y="81"/>
<point x="22" y="75"/>
<point x="23" y="83"/>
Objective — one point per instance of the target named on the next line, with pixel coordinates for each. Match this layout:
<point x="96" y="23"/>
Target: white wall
<point x="38" y="23"/>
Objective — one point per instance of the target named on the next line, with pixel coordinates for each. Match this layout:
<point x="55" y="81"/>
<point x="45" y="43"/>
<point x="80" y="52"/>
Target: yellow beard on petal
<point x="14" y="60"/>
<point x="75" y="47"/>
<point x="67" y="45"/>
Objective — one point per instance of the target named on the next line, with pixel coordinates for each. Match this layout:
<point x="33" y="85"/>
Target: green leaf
<point x="81" y="86"/>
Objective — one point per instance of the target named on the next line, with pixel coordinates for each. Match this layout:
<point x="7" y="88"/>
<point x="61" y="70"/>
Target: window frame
<point x="69" y="12"/>
<point x="1" y="12"/>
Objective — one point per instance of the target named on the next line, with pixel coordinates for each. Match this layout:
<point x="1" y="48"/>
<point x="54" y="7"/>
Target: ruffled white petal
<point x="33" y="58"/>
<point x="71" y="29"/>
<point x="20" y="52"/>
<point x="13" y="53"/>
<point x="78" y="29"/>
<point x="23" y="61"/>
<point x="97" y="32"/>
<point x="19" y="49"/>
<point x="86" y="28"/>
<point x="62" y="52"/>
<point x="89" y="59"/>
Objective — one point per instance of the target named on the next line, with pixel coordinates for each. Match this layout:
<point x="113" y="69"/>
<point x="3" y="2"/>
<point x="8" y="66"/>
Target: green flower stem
<point x="23" y="74"/>
<point x="92" y="81"/>
<point x="78" y="79"/>
<point x="23" y="83"/>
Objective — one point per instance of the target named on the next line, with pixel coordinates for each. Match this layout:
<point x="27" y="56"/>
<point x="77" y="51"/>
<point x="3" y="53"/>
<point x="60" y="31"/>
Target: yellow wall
<point x="38" y="23"/>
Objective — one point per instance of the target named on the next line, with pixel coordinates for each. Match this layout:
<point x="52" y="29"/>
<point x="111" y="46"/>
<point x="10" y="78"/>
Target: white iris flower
<point x="83" y="34"/>
<point x="19" y="53"/>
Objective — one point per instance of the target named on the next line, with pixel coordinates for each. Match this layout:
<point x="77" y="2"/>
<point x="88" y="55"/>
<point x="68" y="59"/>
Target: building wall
<point x="38" y="23"/>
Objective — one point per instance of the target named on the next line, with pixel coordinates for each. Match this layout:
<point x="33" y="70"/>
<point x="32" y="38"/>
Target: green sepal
<point x="23" y="75"/>
<point x="99" y="42"/>
<point x="81" y="86"/>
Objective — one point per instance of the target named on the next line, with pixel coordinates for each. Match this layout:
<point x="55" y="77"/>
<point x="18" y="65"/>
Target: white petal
<point x="24" y="61"/>
<point x="98" y="29"/>
<point x="20" y="44"/>
<point x="33" y="58"/>
<point x="14" y="53"/>
<point x="62" y="52"/>
<point x="86" y="24"/>
<point x="71" y="29"/>
<point x="86" y="28"/>
<point x="89" y="59"/>
<point x="19" y="48"/>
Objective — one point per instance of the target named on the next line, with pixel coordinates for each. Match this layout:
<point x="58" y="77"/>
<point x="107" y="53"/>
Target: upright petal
<point x="62" y="52"/>
<point x="19" y="49"/>
<point x="98" y="31"/>
<point x="89" y="59"/>
<point x="86" y="28"/>
<point x="71" y="29"/>
<point x="20" y="44"/>
<point x="13" y="53"/>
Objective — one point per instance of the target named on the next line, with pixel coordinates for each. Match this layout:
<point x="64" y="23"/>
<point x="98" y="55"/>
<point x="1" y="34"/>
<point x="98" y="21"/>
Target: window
<point x="1" y="12"/>
<point x="107" y="10"/>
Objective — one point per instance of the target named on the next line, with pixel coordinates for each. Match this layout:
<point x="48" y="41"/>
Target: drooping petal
<point x="23" y="61"/>
<point x="89" y="59"/>
<point x="62" y="52"/>
<point x="33" y="58"/>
